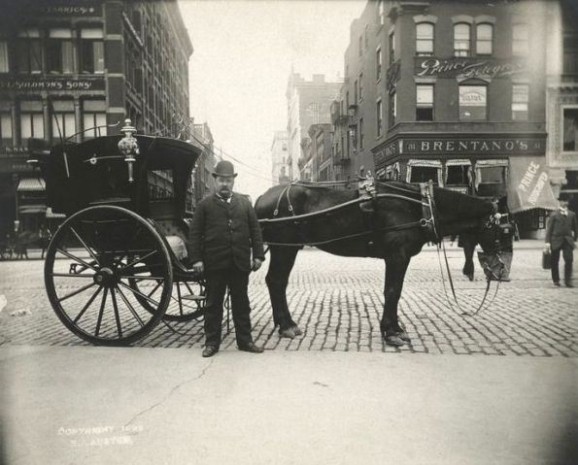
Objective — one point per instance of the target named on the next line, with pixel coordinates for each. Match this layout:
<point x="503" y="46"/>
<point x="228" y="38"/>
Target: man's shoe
<point x="569" y="284"/>
<point x="556" y="283"/>
<point x="253" y="348"/>
<point x="210" y="351"/>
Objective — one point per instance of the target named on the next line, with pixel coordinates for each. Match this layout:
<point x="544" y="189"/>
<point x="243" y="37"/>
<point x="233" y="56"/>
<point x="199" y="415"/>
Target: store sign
<point x="486" y="146"/>
<point x="467" y="68"/>
<point x="51" y="84"/>
<point x="14" y="165"/>
<point x="529" y="185"/>
<point x="89" y="9"/>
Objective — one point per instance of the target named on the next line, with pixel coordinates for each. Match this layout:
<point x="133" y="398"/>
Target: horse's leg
<point x="395" y="269"/>
<point x="280" y="266"/>
<point x="469" y="247"/>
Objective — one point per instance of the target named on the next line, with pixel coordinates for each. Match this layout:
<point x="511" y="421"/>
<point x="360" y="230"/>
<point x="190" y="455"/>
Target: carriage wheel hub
<point x="106" y="277"/>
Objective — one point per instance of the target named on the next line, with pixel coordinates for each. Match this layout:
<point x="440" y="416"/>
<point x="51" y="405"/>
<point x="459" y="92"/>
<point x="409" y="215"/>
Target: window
<point x="355" y="92"/>
<point x="31" y="120"/>
<point x="424" y="39"/>
<point x="473" y="103"/>
<point x="380" y="12"/>
<point x="353" y="136"/>
<point x="424" y="174"/>
<point x="424" y="102"/>
<point x="62" y="119"/>
<point x="60" y="51"/>
<point x="379" y="116"/>
<point x="392" y="109"/>
<point x="378" y="64"/>
<point x="570" y="130"/>
<point x="462" y="40"/>
<point x="6" y="130"/>
<point x="366" y="37"/>
<point x="360" y="45"/>
<point x="361" y="133"/>
<point x="91" y="50"/>
<point x="93" y="118"/>
<point x="29" y="51"/>
<point x="520" y="99"/>
<point x="520" y="39"/>
<point x="570" y="52"/>
<point x="391" y="48"/>
<point x="484" y="39"/>
<point x="361" y="87"/>
<point x="4" y="65"/>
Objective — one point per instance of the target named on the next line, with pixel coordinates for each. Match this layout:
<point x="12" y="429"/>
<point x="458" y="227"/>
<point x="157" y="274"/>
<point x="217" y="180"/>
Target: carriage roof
<point x="96" y="172"/>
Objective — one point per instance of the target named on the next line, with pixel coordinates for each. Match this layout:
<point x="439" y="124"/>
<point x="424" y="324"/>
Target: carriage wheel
<point x="187" y="300"/>
<point x="90" y="263"/>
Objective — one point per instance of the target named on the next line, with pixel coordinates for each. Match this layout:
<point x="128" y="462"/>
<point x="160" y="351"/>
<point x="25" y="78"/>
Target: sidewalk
<point x="91" y="405"/>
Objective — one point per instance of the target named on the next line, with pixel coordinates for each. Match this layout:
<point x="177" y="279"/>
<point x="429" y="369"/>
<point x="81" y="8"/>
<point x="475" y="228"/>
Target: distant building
<point x="321" y="151"/>
<point x="280" y="158"/>
<point x="202" y="174"/>
<point x="77" y="70"/>
<point x="308" y="103"/>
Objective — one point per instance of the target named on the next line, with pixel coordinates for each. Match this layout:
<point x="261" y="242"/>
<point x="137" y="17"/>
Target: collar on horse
<point x="426" y="222"/>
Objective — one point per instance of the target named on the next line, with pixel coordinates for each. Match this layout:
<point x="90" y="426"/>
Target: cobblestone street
<point x="338" y="302"/>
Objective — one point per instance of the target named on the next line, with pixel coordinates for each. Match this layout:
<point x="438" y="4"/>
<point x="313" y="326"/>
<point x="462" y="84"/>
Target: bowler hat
<point x="224" y="169"/>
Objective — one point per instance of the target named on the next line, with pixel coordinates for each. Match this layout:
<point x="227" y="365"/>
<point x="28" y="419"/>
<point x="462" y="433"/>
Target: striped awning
<point x="51" y="214"/>
<point x="31" y="209"/>
<point x="31" y="185"/>
<point x="424" y="163"/>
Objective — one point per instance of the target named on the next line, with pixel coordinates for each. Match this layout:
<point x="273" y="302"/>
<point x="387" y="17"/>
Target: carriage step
<point x="193" y="297"/>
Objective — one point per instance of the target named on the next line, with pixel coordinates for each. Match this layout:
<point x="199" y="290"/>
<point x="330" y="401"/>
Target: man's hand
<point x="257" y="262"/>
<point x="547" y="247"/>
<point x="198" y="267"/>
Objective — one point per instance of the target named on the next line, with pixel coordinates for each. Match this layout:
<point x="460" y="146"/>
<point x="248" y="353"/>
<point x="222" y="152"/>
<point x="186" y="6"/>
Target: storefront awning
<point x="31" y="209"/>
<point x="31" y="185"/>
<point x="529" y="185"/>
<point x="459" y="162"/>
<point x="425" y="163"/>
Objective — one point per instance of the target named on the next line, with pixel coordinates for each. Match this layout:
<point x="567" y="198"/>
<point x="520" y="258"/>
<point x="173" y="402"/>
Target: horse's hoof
<point x="288" y="333"/>
<point x="470" y="276"/>
<point x="394" y="340"/>
<point x="403" y="336"/>
<point x="298" y="332"/>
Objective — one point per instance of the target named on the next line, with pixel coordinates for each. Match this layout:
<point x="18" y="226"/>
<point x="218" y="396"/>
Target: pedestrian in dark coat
<point x="226" y="245"/>
<point x="561" y="233"/>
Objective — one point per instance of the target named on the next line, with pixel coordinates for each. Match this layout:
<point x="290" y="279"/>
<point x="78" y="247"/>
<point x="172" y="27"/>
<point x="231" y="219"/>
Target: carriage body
<point x="117" y="266"/>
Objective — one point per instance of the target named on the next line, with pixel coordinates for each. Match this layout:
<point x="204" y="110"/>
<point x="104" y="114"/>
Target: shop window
<point x="31" y="120"/>
<point x="457" y="175"/>
<point x="4" y="65"/>
<point x="424" y="102"/>
<point x="93" y="118"/>
<point x="462" y="40"/>
<point x="570" y="135"/>
<point x="491" y="179"/>
<point x="484" y="39"/>
<point x="62" y="119"/>
<point x="6" y="130"/>
<point x="29" y="51"/>
<point x="424" y="174"/>
<point x="378" y="64"/>
<point x="60" y="51"/>
<point x="424" y="45"/>
<point x="91" y="50"/>
<point x="520" y="39"/>
<point x="473" y="102"/>
<point x="520" y="99"/>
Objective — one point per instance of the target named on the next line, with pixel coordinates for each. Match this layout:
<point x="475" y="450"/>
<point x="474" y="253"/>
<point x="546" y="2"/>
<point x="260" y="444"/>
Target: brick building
<point x="280" y="158"/>
<point x="75" y="71"/>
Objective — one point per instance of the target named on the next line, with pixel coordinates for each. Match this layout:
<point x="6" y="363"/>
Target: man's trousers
<point x="567" y="253"/>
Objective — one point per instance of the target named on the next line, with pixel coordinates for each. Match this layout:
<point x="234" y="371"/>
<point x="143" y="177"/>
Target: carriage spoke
<point x="90" y="252"/>
<point x="78" y="291"/>
<point x="101" y="312"/>
<point x="138" y="260"/>
<point x="129" y="306"/>
<point x="134" y="291"/>
<point x="180" y="300"/>
<point x="79" y="316"/>
<point x="76" y="259"/>
<point x="116" y="314"/>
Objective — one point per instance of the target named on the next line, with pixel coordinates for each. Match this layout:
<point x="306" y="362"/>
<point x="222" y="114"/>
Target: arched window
<point x="462" y="40"/>
<point x="424" y="45"/>
<point x="484" y="39"/>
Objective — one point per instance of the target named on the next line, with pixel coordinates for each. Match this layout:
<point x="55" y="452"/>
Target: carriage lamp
<point x="128" y="146"/>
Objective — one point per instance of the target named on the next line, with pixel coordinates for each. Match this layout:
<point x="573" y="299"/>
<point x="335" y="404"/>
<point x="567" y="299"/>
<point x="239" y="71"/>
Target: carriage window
<point x="424" y="174"/>
<point x="160" y="185"/>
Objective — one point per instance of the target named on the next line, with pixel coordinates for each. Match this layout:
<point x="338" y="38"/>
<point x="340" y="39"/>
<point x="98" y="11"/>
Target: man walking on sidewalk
<point x="561" y="233"/>
<point x="224" y="232"/>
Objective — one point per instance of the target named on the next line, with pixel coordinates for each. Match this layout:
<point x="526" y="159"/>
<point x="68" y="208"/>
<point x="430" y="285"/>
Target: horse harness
<point x="427" y="222"/>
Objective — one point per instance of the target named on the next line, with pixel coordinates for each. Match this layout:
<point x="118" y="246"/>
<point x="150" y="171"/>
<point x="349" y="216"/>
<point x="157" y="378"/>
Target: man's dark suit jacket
<point x="560" y="228"/>
<point x="224" y="234"/>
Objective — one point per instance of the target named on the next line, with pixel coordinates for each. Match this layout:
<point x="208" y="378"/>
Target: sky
<point x="244" y="51"/>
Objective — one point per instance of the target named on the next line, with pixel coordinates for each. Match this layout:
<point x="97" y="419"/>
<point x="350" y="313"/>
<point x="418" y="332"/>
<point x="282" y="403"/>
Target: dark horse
<point x="393" y="225"/>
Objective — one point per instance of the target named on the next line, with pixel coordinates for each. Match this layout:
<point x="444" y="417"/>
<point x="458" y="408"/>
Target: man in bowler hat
<point x="561" y="233"/>
<point x="226" y="245"/>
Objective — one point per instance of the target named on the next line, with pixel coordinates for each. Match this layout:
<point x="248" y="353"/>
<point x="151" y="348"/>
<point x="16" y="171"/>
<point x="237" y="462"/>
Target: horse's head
<point x="490" y="236"/>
